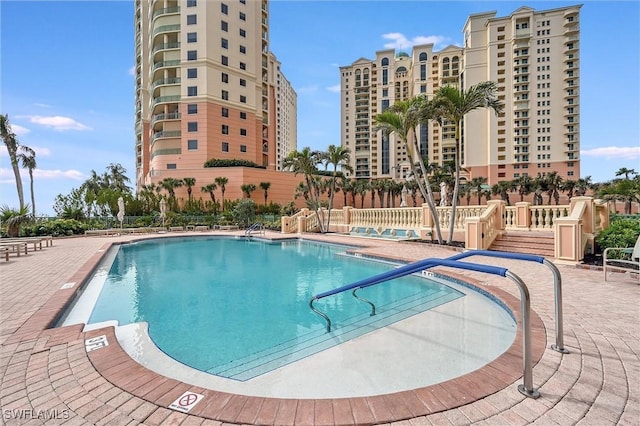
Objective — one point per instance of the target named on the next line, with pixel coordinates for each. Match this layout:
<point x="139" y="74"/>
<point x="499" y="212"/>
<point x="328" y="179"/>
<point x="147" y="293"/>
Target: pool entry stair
<point x="455" y="262"/>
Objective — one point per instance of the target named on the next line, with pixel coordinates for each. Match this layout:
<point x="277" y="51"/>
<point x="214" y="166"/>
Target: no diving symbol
<point x="186" y="401"/>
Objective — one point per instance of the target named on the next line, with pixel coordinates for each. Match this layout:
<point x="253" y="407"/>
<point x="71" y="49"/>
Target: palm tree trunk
<point x="33" y="197"/>
<point x="16" y="173"/>
<point x="427" y="194"/>
<point x="456" y="187"/>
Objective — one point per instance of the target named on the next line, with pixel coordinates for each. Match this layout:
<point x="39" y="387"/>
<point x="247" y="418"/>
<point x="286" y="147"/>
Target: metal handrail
<point x="258" y="226"/>
<point x="525" y="306"/>
<point x="424" y="264"/>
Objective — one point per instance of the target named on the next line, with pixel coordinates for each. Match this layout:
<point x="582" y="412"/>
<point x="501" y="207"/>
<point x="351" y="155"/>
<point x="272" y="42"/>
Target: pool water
<point x="238" y="308"/>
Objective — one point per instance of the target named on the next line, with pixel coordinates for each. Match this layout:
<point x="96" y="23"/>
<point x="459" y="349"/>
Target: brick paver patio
<point x="48" y="377"/>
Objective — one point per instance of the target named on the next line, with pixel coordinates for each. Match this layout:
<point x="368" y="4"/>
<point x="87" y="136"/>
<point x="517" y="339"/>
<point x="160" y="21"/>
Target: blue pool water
<point x="238" y="308"/>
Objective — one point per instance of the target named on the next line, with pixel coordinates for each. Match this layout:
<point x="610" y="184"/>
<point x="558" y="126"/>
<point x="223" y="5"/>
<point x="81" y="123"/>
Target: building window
<point x="243" y="115"/>
<point x="171" y="166"/>
<point x="225" y="112"/>
<point x="224" y="60"/>
<point x="243" y="99"/>
<point x="191" y="3"/>
<point x="192" y="37"/>
<point x="243" y="148"/>
<point x="192" y="55"/>
<point x="192" y="19"/>
<point x="225" y="77"/>
<point x="243" y="33"/>
<point x="243" y="1"/>
<point x="224" y="43"/>
<point x="192" y="108"/>
<point x="224" y="26"/>
<point x="243" y="49"/>
<point x="385" y="93"/>
<point x="224" y="8"/>
<point x="243" y="82"/>
<point x="192" y="91"/>
<point x="192" y="72"/>
<point x="225" y="95"/>
<point x="423" y="88"/>
<point x="243" y="132"/>
<point x="192" y="144"/>
<point x="225" y="129"/>
<point x="192" y="126"/>
<point x="225" y="146"/>
<point x="243" y="17"/>
<point x="243" y="66"/>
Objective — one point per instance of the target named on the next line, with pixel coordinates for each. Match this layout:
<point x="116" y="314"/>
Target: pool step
<point x="318" y="340"/>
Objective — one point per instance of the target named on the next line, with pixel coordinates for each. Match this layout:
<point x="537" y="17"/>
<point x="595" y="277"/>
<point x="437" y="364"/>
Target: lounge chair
<point x="629" y="261"/>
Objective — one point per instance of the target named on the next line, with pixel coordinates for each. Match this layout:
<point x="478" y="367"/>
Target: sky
<point x="66" y="76"/>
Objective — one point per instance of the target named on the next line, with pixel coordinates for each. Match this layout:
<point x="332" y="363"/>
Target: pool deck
<point x="48" y="377"/>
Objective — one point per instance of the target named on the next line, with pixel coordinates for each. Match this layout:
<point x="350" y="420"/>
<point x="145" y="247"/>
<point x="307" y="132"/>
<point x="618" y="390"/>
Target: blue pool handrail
<point x="425" y="264"/>
<point x="525" y="302"/>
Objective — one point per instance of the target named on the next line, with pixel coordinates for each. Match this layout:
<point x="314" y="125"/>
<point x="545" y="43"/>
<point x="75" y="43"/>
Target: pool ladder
<point x="257" y="227"/>
<point x="526" y="388"/>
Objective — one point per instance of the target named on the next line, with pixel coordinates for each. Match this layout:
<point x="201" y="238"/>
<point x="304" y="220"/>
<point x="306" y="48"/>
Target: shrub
<point x="245" y="212"/>
<point x="213" y="162"/>
<point x="620" y="233"/>
<point x="56" y="228"/>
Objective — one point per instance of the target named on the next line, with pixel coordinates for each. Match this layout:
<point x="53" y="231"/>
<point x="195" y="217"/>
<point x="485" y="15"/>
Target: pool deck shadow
<point x="50" y="372"/>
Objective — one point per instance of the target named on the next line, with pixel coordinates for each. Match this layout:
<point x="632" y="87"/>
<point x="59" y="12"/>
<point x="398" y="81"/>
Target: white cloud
<point x="132" y="70"/>
<point x="400" y="42"/>
<point x="6" y="175"/>
<point x="40" y="151"/>
<point x="42" y="105"/>
<point x="334" y="89"/>
<point x="57" y="122"/>
<point x="614" y="152"/>
<point x="19" y="130"/>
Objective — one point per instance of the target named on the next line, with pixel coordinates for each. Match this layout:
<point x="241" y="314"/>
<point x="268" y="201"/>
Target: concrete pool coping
<point x="51" y="370"/>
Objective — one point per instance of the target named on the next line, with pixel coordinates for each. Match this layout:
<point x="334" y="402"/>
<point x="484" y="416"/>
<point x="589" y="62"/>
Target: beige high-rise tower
<point x="533" y="56"/>
<point x="207" y="86"/>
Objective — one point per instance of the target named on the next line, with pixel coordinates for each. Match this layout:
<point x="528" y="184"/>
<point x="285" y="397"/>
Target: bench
<point x="5" y="252"/>
<point x="630" y="261"/>
<point x="176" y="228"/>
<point x="15" y="246"/>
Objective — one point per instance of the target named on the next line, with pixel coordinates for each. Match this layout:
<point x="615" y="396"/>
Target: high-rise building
<point x="207" y="86"/>
<point x="533" y="56"/>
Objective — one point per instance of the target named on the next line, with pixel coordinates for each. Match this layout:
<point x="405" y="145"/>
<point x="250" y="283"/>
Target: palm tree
<point x="569" y="186"/>
<point x="553" y="182"/>
<point x="10" y="141"/>
<point x="169" y="184"/>
<point x="28" y="161"/>
<point x="627" y="190"/>
<point x="210" y="188"/>
<point x="503" y="188"/>
<point x="265" y="187"/>
<point x="14" y="219"/>
<point x="476" y="186"/>
<point x="117" y="179"/>
<point x="338" y="157"/>
<point x="306" y="162"/>
<point x="524" y="185"/>
<point x="452" y="104"/>
<point x="189" y="182"/>
<point x="247" y="189"/>
<point x="361" y="188"/>
<point x="582" y="185"/>
<point x="222" y="182"/>
<point x="412" y="187"/>
<point x="401" y="119"/>
<point x="626" y="172"/>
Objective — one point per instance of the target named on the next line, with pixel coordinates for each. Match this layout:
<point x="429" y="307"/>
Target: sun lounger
<point x="629" y="263"/>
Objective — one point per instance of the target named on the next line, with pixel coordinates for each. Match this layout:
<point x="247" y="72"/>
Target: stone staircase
<point x="538" y="243"/>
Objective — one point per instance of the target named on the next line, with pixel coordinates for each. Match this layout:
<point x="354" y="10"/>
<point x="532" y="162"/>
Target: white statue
<point x="443" y="193"/>
<point x="120" y="210"/>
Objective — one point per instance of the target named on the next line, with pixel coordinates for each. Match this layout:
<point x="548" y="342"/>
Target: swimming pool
<point x="238" y="308"/>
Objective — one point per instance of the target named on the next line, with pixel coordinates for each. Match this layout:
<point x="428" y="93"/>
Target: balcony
<point x="166" y="11"/>
<point x="165" y="46"/>
<point x="167" y="151"/>
<point x="166" y="64"/>
<point x="165" y="99"/>
<point x="165" y="82"/>
<point x="167" y="29"/>
<point x="165" y="117"/>
<point x="572" y="29"/>
<point x="523" y="33"/>
<point x="167" y="134"/>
